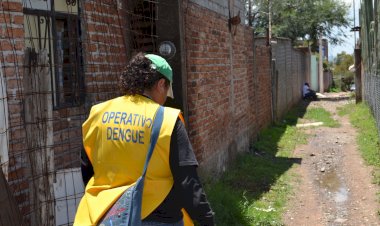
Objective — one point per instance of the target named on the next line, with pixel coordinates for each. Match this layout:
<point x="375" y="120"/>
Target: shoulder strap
<point x="154" y="137"/>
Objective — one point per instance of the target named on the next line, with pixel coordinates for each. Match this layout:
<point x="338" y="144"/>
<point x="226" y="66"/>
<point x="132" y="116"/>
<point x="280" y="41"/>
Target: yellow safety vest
<point x="116" y="138"/>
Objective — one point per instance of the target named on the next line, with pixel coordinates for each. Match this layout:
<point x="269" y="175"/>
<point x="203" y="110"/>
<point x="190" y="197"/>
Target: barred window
<point x="57" y="30"/>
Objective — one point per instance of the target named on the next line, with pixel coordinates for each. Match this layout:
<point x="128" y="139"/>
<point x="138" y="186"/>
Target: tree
<point x="342" y="62"/>
<point x="299" y="19"/>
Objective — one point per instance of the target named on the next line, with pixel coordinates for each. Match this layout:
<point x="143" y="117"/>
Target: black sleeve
<point x="180" y="146"/>
<point x="183" y="165"/>
<point x="86" y="167"/>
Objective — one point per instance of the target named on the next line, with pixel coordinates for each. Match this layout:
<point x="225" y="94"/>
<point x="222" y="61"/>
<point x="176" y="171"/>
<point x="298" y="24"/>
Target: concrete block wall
<point x="299" y="75"/>
<point x="221" y="7"/>
<point x="226" y="98"/>
<point x="290" y="71"/>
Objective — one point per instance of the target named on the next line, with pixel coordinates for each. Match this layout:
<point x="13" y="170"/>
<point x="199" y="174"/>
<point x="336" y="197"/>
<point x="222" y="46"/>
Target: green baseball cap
<point x="162" y="66"/>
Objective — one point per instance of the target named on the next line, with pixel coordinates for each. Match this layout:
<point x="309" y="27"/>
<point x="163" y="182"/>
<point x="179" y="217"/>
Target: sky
<point x="349" y="43"/>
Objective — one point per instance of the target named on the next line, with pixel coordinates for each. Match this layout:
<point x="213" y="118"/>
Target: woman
<point x="116" y="138"/>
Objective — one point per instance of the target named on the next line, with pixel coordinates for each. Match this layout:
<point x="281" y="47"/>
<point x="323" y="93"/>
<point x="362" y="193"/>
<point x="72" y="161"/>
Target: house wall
<point x="228" y="86"/>
<point x="314" y="83"/>
<point x="11" y="57"/>
<point x="104" y="57"/>
<point x="228" y="100"/>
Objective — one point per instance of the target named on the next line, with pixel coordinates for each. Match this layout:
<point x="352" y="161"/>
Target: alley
<point x="335" y="184"/>
<point x="238" y="70"/>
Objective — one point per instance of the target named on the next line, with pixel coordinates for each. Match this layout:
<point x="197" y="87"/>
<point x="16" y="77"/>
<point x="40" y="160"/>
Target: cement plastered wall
<point x="290" y="71"/>
<point x="222" y="7"/>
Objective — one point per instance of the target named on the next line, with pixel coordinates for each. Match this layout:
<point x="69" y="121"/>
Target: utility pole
<point x="250" y="22"/>
<point x="353" y="6"/>
<point x="269" y="21"/>
<point x="321" y="90"/>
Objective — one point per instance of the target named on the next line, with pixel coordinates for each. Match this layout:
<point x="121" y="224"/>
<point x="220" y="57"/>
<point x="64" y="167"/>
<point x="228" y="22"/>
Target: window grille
<point x="59" y="33"/>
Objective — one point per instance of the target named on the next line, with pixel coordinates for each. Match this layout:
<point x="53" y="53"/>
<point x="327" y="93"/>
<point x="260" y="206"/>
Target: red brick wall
<point x="11" y="57"/>
<point x="104" y="48"/>
<point x="104" y="56"/>
<point x="227" y="101"/>
<point x="228" y="86"/>
<point x="263" y="87"/>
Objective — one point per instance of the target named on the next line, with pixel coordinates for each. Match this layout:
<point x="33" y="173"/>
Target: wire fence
<point x="370" y="37"/>
<point x="48" y="51"/>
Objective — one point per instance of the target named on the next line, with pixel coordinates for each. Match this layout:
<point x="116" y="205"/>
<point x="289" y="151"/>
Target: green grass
<point x="254" y="191"/>
<point x="335" y="90"/>
<point x="321" y="115"/>
<point x="368" y="137"/>
<point x="280" y="140"/>
<point x="346" y="109"/>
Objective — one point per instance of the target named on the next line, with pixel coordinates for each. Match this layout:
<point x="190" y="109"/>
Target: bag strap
<point x="154" y="137"/>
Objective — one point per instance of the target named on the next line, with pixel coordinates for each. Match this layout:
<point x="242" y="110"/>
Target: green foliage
<point x="321" y="115"/>
<point x="327" y="65"/>
<point x="341" y="73"/>
<point x="300" y="19"/>
<point x="334" y="89"/>
<point x="335" y="86"/>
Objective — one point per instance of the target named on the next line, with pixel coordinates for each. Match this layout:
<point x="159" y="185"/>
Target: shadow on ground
<point x="254" y="173"/>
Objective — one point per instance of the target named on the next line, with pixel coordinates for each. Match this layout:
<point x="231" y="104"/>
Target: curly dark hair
<point x="139" y="76"/>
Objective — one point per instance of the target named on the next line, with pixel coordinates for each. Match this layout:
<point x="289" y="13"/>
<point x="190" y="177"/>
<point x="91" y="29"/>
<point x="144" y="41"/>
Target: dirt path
<point x="335" y="185"/>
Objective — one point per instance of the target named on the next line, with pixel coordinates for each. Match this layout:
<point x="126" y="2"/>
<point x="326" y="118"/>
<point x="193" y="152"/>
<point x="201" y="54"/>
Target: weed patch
<point x="255" y="190"/>
<point x="321" y="115"/>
